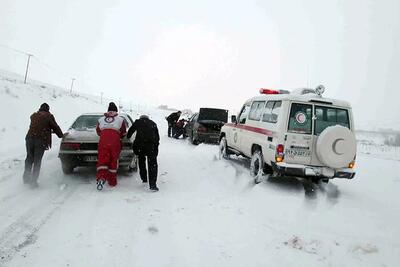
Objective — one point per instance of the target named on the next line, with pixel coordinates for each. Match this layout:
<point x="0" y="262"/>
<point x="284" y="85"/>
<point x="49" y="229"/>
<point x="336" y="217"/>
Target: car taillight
<point x="352" y="164"/>
<point x="201" y="129"/>
<point x="70" y="146"/>
<point x="279" y="153"/>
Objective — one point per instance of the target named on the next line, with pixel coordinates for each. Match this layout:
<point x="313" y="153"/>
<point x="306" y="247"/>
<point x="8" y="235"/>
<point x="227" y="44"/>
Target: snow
<point x="208" y="212"/>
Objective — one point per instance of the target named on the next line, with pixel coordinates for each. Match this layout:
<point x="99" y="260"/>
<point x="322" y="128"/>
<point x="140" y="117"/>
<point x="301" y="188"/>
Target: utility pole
<point x="27" y="67"/>
<point x="101" y="98"/>
<point x="72" y="85"/>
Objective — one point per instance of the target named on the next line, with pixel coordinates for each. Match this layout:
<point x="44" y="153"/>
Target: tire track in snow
<point x="23" y="231"/>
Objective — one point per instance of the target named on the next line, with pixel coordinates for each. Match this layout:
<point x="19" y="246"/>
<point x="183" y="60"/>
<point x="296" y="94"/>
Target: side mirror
<point x="233" y="119"/>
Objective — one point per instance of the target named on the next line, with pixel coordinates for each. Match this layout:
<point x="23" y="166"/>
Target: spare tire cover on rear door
<point x="336" y="147"/>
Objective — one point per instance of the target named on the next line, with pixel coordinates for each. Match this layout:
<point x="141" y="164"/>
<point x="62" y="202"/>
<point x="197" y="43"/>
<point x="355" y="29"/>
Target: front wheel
<point x="257" y="166"/>
<point x="193" y="140"/>
<point x="223" y="149"/>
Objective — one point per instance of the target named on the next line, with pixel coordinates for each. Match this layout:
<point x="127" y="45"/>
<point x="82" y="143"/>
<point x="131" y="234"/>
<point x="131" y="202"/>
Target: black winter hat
<point x="44" y="107"/>
<point x="112" y="107"/>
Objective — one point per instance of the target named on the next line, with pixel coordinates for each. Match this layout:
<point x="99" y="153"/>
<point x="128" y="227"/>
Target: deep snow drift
<point x="207" y="213"/>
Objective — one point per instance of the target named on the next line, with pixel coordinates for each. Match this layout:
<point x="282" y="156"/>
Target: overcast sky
<point x="189" y="54"/>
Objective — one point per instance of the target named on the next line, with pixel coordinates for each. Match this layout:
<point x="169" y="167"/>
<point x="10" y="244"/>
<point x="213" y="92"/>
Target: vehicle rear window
<point x="300" y="120"/>
<point x="85" y="122"/>
<point x="213" y="114"/>
<point x="329" y="116"/>
<point x="271" y="111"/>
<point x="256" y="110"/>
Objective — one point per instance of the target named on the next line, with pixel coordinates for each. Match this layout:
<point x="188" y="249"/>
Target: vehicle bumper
<point x="297" y="170"/>
<point x="89" y="157"/>
<point x="208" y="137"/>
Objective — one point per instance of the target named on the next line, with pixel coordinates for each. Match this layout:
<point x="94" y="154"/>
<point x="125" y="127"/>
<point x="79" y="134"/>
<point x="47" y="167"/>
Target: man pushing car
<point x="111" y="128"/>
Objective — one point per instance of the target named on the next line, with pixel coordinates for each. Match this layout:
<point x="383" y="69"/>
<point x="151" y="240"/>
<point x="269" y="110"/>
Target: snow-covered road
<point x="207" y="213"/>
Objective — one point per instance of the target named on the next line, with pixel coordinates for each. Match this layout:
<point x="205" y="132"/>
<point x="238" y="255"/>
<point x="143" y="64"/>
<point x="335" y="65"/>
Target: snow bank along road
<point x="207" y="213"/>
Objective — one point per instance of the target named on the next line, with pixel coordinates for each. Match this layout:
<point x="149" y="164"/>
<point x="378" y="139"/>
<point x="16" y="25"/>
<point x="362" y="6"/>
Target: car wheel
<point x="67" y="167"/>
<point x="132" y="169"/>
<point x="257" y="166"/>
<point x="193" y="140"/>
<point x="133" y="166"/>
<point x="223" y="149"/>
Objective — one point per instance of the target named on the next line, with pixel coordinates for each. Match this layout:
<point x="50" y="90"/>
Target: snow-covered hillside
<point x="208" y="212"/>
<point x="19" y="101"/>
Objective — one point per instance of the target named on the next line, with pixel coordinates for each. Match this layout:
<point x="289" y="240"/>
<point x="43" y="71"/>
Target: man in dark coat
<point x="38" y="139"/>
<point x="172" y="120"/>
<point x="146" y="146"/>
<point x="180" y="129"/>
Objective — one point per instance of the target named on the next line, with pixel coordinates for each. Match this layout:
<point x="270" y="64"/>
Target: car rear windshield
<point x="300" y="120"/>
<point x="329" y="116"/>
<point x="213" y="114"/>
<point x="85" y="122"/>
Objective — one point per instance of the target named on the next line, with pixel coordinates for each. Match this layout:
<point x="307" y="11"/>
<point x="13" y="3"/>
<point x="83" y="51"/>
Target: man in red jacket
<point x="111" y="128"/>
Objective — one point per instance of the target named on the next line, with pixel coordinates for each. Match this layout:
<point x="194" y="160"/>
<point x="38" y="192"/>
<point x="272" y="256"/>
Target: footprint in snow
<point x="152" y="230"/>
<point x="365" y="249"/>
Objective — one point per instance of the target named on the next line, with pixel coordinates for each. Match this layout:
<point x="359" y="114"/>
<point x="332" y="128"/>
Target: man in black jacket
<point x="146" y="145"/>
<point x="172" y="120"/>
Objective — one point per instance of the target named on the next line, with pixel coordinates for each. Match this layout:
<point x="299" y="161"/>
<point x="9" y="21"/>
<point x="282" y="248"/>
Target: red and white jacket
<point x="111" y="122"/>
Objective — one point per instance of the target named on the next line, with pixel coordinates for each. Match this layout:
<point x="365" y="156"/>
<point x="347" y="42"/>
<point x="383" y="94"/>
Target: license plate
<point x="90" y="158"/>
<point x="298" y="152"/>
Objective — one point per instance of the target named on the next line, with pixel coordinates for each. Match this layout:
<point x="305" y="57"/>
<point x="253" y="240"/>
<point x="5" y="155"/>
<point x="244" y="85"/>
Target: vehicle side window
<point x="256" y="110"/>
<point x="300" y="120"/>
<point x="243" y="113"/>
<point x="271" y="111"/>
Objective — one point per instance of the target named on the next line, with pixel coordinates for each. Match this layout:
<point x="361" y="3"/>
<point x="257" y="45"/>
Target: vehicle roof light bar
<point x="266" y="91"/>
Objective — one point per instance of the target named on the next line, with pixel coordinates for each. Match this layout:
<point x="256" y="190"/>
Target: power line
<point x="15" y="50"/>
<point x="49" y="67"/>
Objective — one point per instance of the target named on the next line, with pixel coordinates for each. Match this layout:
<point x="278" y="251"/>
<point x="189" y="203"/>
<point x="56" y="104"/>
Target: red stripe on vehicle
<point x="251" y="129"/>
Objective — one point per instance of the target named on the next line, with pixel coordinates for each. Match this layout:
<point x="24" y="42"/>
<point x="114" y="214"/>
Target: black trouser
<point x="153" y="169"/>
<point x="170" y="129"/>
<point x="34" y="152"/>
<point x="178" y="132"/>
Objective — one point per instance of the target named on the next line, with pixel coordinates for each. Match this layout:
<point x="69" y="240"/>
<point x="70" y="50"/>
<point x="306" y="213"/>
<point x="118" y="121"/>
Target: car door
<point x="237" y="130"/>
<point x="190" y="125"/>
<point x="299" y="136"/>
<point x="248" y="135"/>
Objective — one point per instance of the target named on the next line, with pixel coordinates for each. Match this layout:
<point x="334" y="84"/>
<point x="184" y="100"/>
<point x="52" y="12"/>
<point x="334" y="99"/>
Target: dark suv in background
<point x="205" y="126"/>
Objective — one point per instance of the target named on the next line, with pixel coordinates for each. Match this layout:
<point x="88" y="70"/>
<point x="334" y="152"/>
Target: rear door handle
<point x="269" y="138"/>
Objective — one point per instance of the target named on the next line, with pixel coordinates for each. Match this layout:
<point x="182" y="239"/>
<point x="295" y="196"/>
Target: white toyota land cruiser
<point x="297" y="133"/>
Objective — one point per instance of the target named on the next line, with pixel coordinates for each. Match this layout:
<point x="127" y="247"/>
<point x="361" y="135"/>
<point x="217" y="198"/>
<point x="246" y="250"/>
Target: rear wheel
<point x="133" y="166"/>
<point x="67" y="167"/>
<point x="223" y="149"/>
<point x="257" y="166"/>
